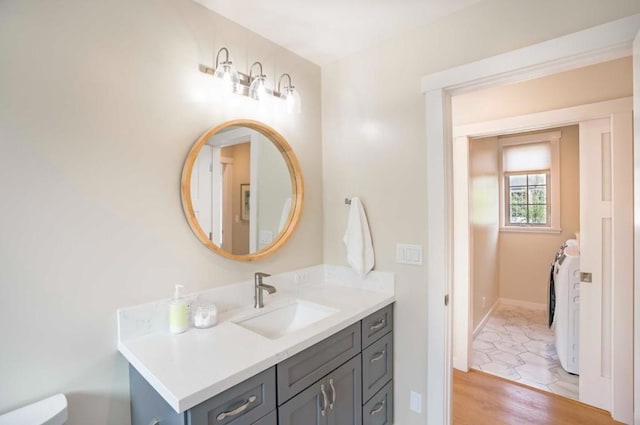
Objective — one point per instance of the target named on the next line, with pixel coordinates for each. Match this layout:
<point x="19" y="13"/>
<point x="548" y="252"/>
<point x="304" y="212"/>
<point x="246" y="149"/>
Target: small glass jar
<point x="205" y="316"/>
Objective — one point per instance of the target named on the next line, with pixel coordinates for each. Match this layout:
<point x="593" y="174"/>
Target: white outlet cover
<point x="416" y="402"/>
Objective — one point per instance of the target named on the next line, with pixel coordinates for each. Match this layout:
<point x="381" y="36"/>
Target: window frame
<point x="553" y="183"/>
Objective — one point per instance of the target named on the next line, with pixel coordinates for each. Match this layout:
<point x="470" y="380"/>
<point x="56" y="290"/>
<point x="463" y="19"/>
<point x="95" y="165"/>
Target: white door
<point x="201" y="189"/>
<point x="216" y="197"/>
<point x="595" y="263"/>
<point x="606" y="261"/>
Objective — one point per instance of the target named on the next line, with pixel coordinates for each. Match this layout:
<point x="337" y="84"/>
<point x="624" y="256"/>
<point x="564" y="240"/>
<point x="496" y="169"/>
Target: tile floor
<point x="515" y="343"/>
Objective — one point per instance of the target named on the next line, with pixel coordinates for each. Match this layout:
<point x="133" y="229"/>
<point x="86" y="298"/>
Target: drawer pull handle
<point x="324" y="399"/>
<point x="377" y="325"/>
<point x="377" y="408"/>
<point x="154" y="421"/>
<point x="238" y="409"/>
<point x="377" y="356"/>
<point x="333" y="394"/>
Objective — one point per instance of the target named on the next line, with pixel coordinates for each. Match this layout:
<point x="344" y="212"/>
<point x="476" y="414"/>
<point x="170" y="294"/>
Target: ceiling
<point x="327" y="30"/>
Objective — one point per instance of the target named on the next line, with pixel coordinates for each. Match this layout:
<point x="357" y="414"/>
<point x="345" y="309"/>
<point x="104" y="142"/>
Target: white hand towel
<point x="284" y="215"/>
<point x="357" y="239"/>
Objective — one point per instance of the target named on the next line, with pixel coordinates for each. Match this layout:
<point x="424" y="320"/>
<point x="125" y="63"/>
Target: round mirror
<point x="242" y="190"/>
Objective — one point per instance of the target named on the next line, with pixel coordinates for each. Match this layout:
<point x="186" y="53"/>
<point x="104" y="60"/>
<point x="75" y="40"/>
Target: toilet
<point x="50" y="411"/>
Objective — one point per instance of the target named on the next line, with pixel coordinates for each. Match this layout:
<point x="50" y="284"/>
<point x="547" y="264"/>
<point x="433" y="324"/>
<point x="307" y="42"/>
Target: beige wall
<point x="525" y="257"/>
<point x="374" y="142"/>
<point x="100" y="104"/>
<point x="484" y="198"/>
<point x="595" y="83"/>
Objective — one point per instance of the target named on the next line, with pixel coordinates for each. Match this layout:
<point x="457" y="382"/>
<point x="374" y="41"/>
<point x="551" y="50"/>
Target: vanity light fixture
<point x="226" y="71"/>
<point x="254" y="86"/>
<point x="290" y="95"/>
<point x="258" y="89"/>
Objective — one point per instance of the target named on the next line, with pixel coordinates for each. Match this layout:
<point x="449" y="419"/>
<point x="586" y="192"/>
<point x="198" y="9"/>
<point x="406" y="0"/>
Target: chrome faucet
<point x="258" y="287"/>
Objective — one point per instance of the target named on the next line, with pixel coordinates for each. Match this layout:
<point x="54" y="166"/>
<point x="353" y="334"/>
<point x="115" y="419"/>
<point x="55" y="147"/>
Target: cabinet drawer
<point x="305" y="368"/>
<point x="377" y="366"/>
<point x="243" y="404"/>
<point x="379" y="410"/>
<point x="377" y="324"/>
<point x="270" y="419"/>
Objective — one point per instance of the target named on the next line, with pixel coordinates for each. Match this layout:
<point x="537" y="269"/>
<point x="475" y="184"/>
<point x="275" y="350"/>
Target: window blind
<point x="527" y="157"/>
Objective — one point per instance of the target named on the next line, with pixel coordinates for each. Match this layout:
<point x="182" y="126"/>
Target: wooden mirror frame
<point x="297" y="194"/>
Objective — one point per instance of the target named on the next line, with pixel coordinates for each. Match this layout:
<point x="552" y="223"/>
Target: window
<point x="527" y="198"/>
<point x="530" y="169"/>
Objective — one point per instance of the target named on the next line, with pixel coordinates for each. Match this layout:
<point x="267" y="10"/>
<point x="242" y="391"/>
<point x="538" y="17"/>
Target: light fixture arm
<point x="226" y="56"/>
<point x="251" y="70"/>
<point x="280" y="81"/>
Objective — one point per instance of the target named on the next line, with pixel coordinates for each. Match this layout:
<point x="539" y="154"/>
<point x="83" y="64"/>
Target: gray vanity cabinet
<point x="346" y="379"/>
<point x="334" y="400"/>
<point x="251" y="402"/>
<point x="377" y="367"/>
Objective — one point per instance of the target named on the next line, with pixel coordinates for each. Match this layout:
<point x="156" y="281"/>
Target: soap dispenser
<point x="178" y="312"/>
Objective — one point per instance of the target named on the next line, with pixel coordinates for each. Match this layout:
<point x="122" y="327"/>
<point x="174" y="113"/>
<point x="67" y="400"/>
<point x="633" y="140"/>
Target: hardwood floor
<point x="483" y="399"/>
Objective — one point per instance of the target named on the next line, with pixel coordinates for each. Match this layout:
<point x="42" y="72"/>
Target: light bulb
<point x="228" y="75"/>
<point x="292" y="100"/>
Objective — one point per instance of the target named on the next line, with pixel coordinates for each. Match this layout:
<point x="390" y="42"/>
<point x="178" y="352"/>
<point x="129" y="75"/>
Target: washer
<point x="567" y="307"/>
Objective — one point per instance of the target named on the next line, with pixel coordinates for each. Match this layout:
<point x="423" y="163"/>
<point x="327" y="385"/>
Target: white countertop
<point x="189" y="368"/>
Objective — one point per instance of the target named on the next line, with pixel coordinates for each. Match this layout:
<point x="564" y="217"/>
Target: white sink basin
<point x="281" y="321"/>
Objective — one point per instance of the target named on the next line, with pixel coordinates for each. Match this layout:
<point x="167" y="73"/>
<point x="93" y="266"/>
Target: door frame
<point x="602" y="43"/>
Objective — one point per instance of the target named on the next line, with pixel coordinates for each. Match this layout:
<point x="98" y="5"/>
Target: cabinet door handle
<point x="324" y="399"/>
<point x="377" y="325"/>
<point x="154" y="421"/>
<point x="237" y="410"/>
<point x="377" y="356"/>
<point x="377" y="408"/>
<point x="333" y="394"/>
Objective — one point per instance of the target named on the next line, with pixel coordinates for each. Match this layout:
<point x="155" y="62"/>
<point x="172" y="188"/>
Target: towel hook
<point x="347" y="201"/>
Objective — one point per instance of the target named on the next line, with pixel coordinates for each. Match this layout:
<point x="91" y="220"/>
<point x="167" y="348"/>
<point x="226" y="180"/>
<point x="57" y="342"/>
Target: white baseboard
<point x="478" y="328"/>
<point x="461" y="366"/>
<point x="525" y="304"/>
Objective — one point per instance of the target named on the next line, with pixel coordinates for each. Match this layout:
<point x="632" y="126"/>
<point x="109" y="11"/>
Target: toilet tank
<point x="50" y="411"/>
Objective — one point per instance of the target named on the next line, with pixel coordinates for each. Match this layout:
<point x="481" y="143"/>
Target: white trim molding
<point x="485" y="319"/>
<point x="594" y="45"/>
<point x="524" y="304"/>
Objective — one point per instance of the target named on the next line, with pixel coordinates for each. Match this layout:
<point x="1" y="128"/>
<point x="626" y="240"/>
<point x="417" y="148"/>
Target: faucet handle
<point x="260" y="274"/>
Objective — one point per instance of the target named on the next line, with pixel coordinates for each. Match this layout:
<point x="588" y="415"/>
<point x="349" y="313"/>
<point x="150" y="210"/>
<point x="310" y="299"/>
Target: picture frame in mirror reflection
<point x="245" y="201"/>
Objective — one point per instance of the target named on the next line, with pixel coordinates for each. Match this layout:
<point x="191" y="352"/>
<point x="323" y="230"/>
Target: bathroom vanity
<point x="336" y="370"/>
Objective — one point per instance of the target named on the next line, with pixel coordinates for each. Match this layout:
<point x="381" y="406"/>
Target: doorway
<point x="595" y="45"/>
<point x="523" y="192"/>
<point x="603" y="142"/>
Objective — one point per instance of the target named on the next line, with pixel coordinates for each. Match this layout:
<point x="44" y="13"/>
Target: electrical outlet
<point x="416" y="402"/>
<point x="302" y="276"/>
